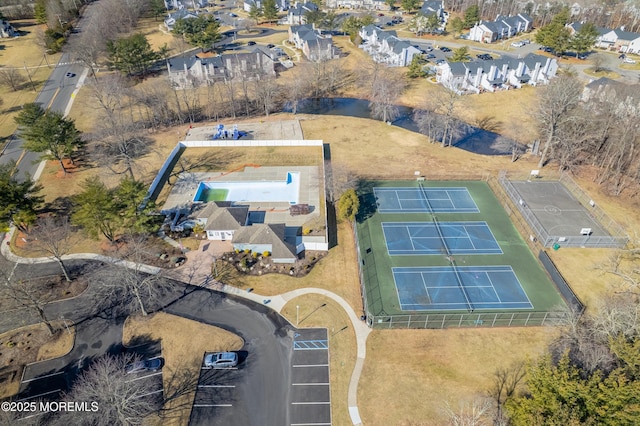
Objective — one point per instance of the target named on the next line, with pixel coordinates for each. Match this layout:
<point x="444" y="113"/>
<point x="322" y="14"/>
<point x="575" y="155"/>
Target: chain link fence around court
<point x="616" y="239"/>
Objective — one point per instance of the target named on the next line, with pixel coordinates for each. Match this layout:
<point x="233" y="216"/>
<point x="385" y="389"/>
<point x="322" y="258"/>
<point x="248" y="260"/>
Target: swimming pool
<point x="251" y="191"/>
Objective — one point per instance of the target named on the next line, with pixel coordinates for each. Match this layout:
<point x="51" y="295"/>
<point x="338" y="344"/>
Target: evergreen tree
<point x="129" y="196"/>
<point x="584" y="39"/>
<point x="410" y="5"/>
<point x="348" y="205"/>
<point x="270" y="10"/>
<point x="456" y="25"/>
<point x="555" y="34"/>
<point x="471" y="16"/>
<point x="96" y="210"/>
<point x="29" y="114"/>
<point x="18" y="199"/>
<point x="415" y="69"/>
<point x="40" y="11"/>
<point x="202" y="31"/>
<point x="461" y="55"/>
<point x="255" y="13"/>
<point x="131" y="55"/>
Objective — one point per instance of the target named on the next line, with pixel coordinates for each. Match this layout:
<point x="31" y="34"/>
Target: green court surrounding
<point x="433" y="256"/>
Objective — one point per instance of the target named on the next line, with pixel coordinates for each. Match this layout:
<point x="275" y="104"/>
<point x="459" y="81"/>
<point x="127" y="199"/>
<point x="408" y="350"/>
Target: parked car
<point x="484" y="56"/>
<point x="517" y="44"/>
<point x="380" y="14"/>
<point x="441" y="61"/>
<point x="628" y="60"/>
<point x="526" y="41"/>
<point x="221" y="360"/>
<point x="270" y="46"/>
<point x="152" y="364"/>
<point x="251" y="43"/>
<point x="430" y="56"/>
<point x="445" y="49"/>
<point x="233" y="15"/>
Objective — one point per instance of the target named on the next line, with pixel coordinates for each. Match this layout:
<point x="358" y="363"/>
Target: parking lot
<point x="310" y="390"/>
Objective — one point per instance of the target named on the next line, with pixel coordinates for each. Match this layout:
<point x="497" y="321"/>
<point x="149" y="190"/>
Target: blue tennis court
<point x="431" y="200"/>
<point x="420" y="238"/>
<point x="448" y="288"/>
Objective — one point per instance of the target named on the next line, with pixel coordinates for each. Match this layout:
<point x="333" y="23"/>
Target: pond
<point x="466" y="136"/>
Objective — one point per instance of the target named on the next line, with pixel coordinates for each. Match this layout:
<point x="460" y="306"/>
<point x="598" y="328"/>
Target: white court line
<point x="43" y="377"/>
<point x="311" y="403"/>
<point x="211" y="368"/>
<point x="311" y="365"/>
<point x="38" y="396"/>
<point x="212" y="405"/>
<point x="309" y="384"/>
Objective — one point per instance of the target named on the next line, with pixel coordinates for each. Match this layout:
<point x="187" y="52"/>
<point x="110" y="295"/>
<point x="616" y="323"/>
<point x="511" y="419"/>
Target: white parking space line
<point x="309" y="384"/>
<point x="222" y="369"/>
<point x="43" y="377"/>
<point x="310" y="424"/>
<point x="216" y="386"/>
<point x="211" y="405"/>
<point x="144" y="377"/>
<point x="42" y="394"/>
<point x="311" y="365"/>
<point x="311" y="403"/>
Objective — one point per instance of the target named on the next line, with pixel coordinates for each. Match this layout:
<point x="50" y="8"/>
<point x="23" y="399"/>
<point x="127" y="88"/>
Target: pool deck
<point x="183" y="191"/>
<point x="267" y="130"/>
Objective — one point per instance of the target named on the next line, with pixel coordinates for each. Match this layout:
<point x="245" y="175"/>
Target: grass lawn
<point x="184" y="343"/>
<point x="18" y="53"/>
<point x="604" y="73"/>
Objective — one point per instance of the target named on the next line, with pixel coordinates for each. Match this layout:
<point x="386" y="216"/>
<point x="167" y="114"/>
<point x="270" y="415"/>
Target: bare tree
<point x="26" y="295"/>
<point x="429" y="123"/>
<point x="445" y="102"/>
<point x="472" y="413"/>
<point x="131" y="286"/>
<point x="120" y="398"/>
<point x="338" y="180"/>
<point x="384" y="92"/>
<point x="12" y="77"/>
<point x="598" y="62"/>
<point x="266" y="92"/>
<point x="505" y="383"/>
<point x="557" y="103"/>
<point x="298" y="86"/>
<point x="52" y="236"/>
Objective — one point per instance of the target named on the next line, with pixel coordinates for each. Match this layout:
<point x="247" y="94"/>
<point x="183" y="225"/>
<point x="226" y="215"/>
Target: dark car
<point x="445" y="49"/>
<point x="152" y="364"/>
<point x="484" y="56"/>
<point x="430" y="56"/>
<point x="251" y="43"/>
<point x="270" y="46"/>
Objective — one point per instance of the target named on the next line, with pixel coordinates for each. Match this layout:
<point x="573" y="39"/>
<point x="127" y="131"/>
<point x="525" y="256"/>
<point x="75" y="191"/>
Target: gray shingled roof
<point x="263" y="233"/>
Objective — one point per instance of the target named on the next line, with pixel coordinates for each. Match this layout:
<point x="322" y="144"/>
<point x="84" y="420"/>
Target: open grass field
<point x="184" y="343"/>
<point x="21" y="52"/>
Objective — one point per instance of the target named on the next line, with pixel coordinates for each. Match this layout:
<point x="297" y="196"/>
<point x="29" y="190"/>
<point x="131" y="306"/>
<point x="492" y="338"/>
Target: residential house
<point x="170" y="21"/>
<point x="357" y="4"/>
<point x="499" y="74"/>
<point x="430" y="7"/>
<point x="314" y="46"/>
<point x="385" y="47"/>
<point x="265" y="237"/>
<point x="248" y="4"/>
<point x="625" y="97"/>
<point x="206" y="68"/>
<point x="503" y="27"/>
<point x="619" y="40"/>
<point x="296" y="14"/>
<point x="222" y="220"/>
<point x="6" y="29"/>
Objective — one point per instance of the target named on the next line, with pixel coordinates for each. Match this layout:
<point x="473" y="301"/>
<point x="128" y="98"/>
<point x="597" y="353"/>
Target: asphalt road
<point x="261" y="386"/>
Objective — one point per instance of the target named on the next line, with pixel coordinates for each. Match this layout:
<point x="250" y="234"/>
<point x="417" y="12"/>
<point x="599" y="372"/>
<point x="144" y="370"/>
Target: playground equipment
<point x="221" y="133"/>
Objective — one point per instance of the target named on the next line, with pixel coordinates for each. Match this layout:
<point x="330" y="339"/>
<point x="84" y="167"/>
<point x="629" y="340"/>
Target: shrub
<point x="247" y="251"/>
<point x="266" y="253"/>
<point x="254" y="254"/>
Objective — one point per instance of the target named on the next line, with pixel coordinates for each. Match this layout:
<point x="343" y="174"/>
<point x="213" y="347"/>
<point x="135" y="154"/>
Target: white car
<point x="629" y="61"/>
<point x="221" y="360"/>
<point x="517" y="44"/>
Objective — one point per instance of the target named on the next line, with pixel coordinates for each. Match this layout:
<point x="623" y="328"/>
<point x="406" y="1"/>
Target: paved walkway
<point x="197" y="272"/>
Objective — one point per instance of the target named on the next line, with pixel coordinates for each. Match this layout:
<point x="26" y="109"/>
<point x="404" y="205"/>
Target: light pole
<point x="297" y="315"/>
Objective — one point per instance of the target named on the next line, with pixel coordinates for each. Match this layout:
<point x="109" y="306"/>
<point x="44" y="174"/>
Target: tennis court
<point x="452" y="287"/>
<point x="431" y="200"/>
<point x="420" y="238"/>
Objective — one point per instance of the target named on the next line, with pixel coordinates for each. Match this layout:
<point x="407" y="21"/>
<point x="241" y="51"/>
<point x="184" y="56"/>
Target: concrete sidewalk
<point x="199" y="273"/>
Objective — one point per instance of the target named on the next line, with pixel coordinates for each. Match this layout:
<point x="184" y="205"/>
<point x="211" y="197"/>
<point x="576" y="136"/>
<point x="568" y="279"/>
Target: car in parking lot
<point x="380" y="14"/>
<point x="484" y="56"/>
<point x="221" y="360"/>
<point x="628" y="60"/>
<point x="233" y="15"/>
<point x="445" y="49"/>
<point x="517" y="44"/>
<point x="152" y="364"/>
<point x="430" y="56"/>
<point x="441" y="62"/>
<point x="251" y="43"/>
<point x="270" y="46"/>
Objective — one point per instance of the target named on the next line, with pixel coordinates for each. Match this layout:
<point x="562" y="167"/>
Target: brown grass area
<point x="604" y="73"/>
<point x="410" y="374"/>
<point x="29" y="344"/>
<point x="184" y="343"/>
<point x="337" y="272"/>
<point x="342" y="345"/>
<point x="20" y="52"/>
